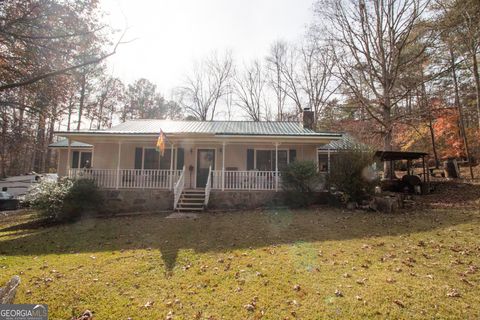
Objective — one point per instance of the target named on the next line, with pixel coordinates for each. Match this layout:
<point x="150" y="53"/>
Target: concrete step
<point x="188" y="204"/>
<point x="196" y="201"/>
<point x="193" y="196"/>
<point x="186" y="209"/>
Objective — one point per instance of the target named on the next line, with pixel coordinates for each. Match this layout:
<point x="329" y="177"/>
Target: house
<point x="202" y="159"/>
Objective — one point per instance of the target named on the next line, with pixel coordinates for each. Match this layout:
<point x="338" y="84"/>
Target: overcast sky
<point x="174" y="33"/>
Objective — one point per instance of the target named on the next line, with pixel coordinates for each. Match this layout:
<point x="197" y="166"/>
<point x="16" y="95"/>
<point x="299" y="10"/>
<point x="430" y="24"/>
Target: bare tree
<point x="317" y="63"/>
<point x="249" y="89"/>
<point x="275" y="65"/>
<point x="202" y="90"/>
<point x="306" y="74"/>
<point x="373" y="41"/>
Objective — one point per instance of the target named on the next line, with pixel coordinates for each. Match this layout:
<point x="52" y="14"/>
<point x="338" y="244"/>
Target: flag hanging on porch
<point x="161" y="143"/>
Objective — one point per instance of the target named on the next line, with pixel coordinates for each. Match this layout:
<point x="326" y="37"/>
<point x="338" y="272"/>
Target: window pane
<point x="264" y="160"/>
<point x="322" y="162"/>
<point x="85" y="160"/>
<point x="282" y="159"/>
<point x="165" y="160"/>
<point x="151" y="158"/>
<point x="75" y="159"/>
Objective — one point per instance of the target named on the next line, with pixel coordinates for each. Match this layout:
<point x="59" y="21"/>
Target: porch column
<point x="118" y="164"/>
<point x="171" y="166"/>
<point x="69" y="150"/>
<point x="223" y="166"/>
<point x="276" y="166"/>
<point x="328" y="160"/>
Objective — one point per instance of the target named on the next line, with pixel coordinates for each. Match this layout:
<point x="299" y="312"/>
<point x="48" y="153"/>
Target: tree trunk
<point x="82" y="100"/>
<point x="460" y="111"/>
<point x="477" y="85"/>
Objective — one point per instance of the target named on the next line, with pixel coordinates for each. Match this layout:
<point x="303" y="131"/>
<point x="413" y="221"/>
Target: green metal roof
<point x="64" y="144"/>
<point x="262" y="128"/>
<point x="345" y="143"/>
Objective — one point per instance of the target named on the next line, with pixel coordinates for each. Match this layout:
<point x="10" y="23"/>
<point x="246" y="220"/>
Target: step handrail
<point x="178" y="189"/>
<point x="208" y="186"/>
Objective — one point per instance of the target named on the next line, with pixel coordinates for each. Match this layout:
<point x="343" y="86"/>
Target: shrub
<point x="65" y="200"/>
<point x="299" y="180"/>
<point x="352" y="174"/>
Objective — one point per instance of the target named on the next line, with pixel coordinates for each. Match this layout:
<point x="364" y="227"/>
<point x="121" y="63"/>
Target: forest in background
<point x="396" y="74"/>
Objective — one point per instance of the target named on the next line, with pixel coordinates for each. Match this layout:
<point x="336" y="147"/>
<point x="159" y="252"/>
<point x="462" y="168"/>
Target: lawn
<point x="271" y="264"/>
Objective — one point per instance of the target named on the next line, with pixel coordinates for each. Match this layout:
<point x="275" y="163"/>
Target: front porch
<point x="221" y="167"/>
<point x="168" y="179"/>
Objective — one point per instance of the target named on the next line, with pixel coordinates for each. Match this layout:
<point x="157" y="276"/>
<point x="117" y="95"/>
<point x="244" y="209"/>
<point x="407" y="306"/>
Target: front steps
<point x="191" y="200"/>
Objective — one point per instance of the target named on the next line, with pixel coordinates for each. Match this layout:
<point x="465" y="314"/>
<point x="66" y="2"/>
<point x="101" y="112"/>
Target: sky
<point x="170" y="35"/>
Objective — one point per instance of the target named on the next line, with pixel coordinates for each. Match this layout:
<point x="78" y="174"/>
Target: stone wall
<point x="137" y="200"/>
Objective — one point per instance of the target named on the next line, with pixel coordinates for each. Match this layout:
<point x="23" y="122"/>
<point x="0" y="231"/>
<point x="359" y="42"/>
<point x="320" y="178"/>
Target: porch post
<point x="276" y="166"/>
<point x="118" y="164"/>
<point x="223" y="166"/>
<point x="328" y="162"/>
<point x="171" y="165"/>
<point x="69" y="150"/>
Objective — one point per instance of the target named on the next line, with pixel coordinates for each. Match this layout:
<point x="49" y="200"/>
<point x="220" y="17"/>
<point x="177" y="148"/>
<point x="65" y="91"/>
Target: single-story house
<point x="201" y="157"/>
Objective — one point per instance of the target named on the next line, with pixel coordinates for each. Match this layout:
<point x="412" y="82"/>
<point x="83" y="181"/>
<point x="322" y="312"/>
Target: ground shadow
<point x="222" y="232"/>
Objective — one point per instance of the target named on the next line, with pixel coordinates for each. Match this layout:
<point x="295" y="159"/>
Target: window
<point x="153" y="160"/>
<point x="81" y="159"/>
<point x="265" y="160"/>
<point x="322" y="162"/>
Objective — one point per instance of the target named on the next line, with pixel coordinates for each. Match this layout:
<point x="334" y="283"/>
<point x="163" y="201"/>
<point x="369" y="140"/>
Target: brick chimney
<point x="308" y="119"/>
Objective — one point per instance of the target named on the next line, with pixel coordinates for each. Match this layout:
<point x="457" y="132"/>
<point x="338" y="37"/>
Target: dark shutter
<point x="75" y="159"/>
<point x="138" y="158"/>
<point x="292" y="155"/>
<point x="180" y="157"/>
<point x="250" y="159"/>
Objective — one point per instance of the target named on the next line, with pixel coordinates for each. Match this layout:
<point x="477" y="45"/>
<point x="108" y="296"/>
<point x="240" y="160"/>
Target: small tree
<point x="352" y="174"/>
<point x="299" y="180"/>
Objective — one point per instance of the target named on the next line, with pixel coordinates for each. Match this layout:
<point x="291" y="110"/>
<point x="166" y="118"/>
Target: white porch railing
<point x="246" y="180"/>
<point x="129" y="178"/>
<point x="178" y="189"/>
<point x="208" y="186"/>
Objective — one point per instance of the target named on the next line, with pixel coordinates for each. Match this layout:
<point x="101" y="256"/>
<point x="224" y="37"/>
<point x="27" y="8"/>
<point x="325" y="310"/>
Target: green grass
<point x="385" y="266"/>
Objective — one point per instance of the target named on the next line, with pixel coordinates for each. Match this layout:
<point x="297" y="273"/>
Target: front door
<point x="205" y="159"/>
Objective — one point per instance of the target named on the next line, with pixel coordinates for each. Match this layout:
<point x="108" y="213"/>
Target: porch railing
<point x="129" y="178"/>
<point x="178" y="189"/>
<point x="246" y="180"/>
<point x="208" y="186"/>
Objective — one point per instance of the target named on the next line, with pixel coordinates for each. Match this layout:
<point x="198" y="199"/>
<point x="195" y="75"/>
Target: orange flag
<point x="161" y="143"/>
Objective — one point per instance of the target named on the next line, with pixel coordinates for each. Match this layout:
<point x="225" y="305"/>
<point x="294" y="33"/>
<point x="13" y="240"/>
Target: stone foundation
<point x="137" y="200"/>
<point x="252" y="199"/>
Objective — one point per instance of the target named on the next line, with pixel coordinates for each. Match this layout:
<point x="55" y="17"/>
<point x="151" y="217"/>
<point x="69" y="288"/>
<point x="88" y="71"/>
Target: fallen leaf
<point x="454" y="294"/>
<point x="399" y="303"/>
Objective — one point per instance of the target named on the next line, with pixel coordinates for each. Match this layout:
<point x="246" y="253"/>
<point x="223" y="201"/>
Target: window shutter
<point x="180" y="158"/>
<point x="138" y="158"/>
<point x="292" y="154"/>
<point x="250" y="159"/>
